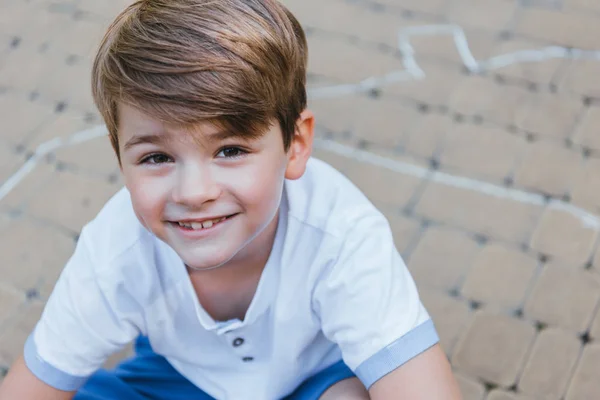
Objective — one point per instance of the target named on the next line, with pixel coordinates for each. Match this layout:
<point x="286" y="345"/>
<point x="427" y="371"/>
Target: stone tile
<point x="10" y="161"/>
<point x="497" y="394"/>
<point x="10" y="300"/>
<point x="473" y="210"/>
<point x="552" y="115"/>
<point x="28" y="188"/>
<point x="434" y="89"/>
<point x="544" y="73"/>
<point x="108" y="9"/>
<point x="481" y="151"/>
<point x="547" y="167"/>
<point x="404" y="229"/>
<point x="12" y="339"/>
<point x="337" y="161"/>
<point x="492" y="15"/>
<point x="330" y="56"/>
<point x="336" y="114"/>
<point x="585" y="191"/>
<point x="551" y="364"/>
<point x="595" y="329"/>
<point x="384" y="187"/>
<point x="469" y="388"/>
<point x="578" y="78"/>
<point x="71" y="200"/>
<point x="585" y="384"/>
<point x="60" y="125"/>
<point x="494" y="348"/>
<point x="450" y="316"/>
<point x="32" y="253"/>
<point x="95" y="155"/>
<point x="582" y="5"/>
<point x="508" y="105"/>
<point x="500" y="277"/>
<point x="564" y="297"/>
<point x="427" y="6"/>
<point x="564" y="237"/>
<point x="383" y="121"/>
<point x="20" y="117"/>
<point x="442" y="258"/>
<point x="426" y="137"/>
<point x="586" y="133"/>
<point x="467" y="99"/>
<point x="443" y="47"/>
<point x="559" y="27"/>
<point x="80" y="37"/>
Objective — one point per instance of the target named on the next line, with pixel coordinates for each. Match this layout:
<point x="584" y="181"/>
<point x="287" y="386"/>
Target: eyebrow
<point x="156" y="139"/>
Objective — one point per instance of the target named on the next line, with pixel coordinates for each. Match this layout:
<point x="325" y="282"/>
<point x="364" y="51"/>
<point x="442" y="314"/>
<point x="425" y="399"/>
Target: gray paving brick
<point x="585" y="383"/>
<point x="470" y="388"/>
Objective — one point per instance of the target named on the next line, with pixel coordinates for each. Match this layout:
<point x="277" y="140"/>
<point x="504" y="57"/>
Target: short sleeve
<point x="369" y="305"/>
<point x="79" y="327"/>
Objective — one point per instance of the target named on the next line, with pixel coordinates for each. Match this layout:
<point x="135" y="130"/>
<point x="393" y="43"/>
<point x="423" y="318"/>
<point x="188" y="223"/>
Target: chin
<point x="207" y="262"/>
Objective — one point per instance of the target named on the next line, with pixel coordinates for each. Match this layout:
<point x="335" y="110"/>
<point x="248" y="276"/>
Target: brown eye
<point x="232" y="152"/>
<point x="156" y="159"/>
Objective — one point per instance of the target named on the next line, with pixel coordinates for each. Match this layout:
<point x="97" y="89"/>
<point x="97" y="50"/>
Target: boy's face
<point x="205" y="193"/>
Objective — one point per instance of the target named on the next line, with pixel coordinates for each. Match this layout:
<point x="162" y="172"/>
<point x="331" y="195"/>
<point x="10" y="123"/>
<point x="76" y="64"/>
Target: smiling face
<point x="212" y="196"/>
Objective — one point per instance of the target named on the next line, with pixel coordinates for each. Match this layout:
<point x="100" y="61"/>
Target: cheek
<point x="148" y="197"/>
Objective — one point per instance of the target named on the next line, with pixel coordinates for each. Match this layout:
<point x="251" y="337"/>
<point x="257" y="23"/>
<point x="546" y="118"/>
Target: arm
<point x="427" y="376"/>
<point x="21" y="384"/>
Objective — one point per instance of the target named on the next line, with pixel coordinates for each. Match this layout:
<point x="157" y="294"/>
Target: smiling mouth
<point x="200" y="225"/>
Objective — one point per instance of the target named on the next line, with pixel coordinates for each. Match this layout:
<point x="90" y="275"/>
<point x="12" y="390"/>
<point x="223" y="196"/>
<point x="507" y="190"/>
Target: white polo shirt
<point x="334" y="287"/>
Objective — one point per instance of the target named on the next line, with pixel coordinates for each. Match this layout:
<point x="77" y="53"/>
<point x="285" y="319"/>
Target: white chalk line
<point x="412" y="72"/>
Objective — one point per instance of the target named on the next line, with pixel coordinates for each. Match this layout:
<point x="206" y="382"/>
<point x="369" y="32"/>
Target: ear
<point x="301" y="146"/>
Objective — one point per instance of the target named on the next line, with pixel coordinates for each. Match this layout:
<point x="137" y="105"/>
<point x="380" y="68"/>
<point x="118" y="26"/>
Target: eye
<point x="231" y="152"/>
<point x="157" y="158"/>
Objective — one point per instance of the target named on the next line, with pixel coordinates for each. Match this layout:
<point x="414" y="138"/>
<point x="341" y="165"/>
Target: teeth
<point x="201" y="225"/>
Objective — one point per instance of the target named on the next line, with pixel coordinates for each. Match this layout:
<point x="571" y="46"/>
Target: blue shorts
<point x="150" y="376"/>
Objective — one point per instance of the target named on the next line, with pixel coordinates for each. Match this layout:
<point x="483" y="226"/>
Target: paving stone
<point x="586" y="133"/>
<point x="71" y="200"/>
<point x="10" y="161"/>
<point x="544" y="73"/>
<point x="470" y="209"/>
<point x="595" y="329"/>
<point x="508" y="105"/>
<point x="336" y="114"/>
<point x="467" y="99"/>
<point x="12" y="339"/>
<point x="552" y="115"/>
<point x="427" y="136"/>
<point x="481" y="151"/>
<point x="551" y="364"/>
<point x="586" y="186"/>
<point x="581" y="5"/>
<point x="560" y="27"/>
<point x="383" y="121"/>
<point x="384" y="187"/>
<point x="500" y="277"/>
<point x="450" y="315"/>
<point x="443" y="46"/>
<point x="470" y="388"/>
<point x="427" y="6"/>
<point x="547" y="167"/>
<point x="585" y="384"/>
<point x="20" y="117"/>
<point x="108" y="9"/>
<point x="492" y="15"/>
<point x="564" y="297"/>
<point x="330" y="56"/>
<point x="337" y="161"/>
<point x="494" y="348"/>
<point x="564" y="237"/>
<point x="497" y="394"/>
<point x="10" y="299"/>
<point x="442" y="258"/>
<point x="434" y="89"/>
<point x="28" y="188"/>
<point x="32" y="253"/>
<point x="95" y="155"/>
<point x="578" y="78"/>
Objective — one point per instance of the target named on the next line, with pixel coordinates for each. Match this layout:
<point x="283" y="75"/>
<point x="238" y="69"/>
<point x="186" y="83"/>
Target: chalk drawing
<point x="412" y="71"/>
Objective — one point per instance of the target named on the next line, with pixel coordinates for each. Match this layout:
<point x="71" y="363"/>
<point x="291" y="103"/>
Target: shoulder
<point x="328" y="201"/>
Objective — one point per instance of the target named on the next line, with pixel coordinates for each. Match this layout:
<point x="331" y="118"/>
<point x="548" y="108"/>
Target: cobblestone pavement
<point x="471" y="123"/>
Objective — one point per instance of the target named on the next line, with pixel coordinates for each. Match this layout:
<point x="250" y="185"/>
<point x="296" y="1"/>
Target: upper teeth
<point x="200" y="225"/>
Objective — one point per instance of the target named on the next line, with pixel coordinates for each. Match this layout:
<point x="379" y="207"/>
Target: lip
<point x="200" y="233"/>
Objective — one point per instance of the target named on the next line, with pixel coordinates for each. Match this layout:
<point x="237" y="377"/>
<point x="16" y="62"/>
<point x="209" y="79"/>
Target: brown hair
<point x="237" y="63"/>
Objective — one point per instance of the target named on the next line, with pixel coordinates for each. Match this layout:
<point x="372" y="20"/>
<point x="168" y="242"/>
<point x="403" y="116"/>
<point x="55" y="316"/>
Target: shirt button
<point x="238" y="342"/>
<point x="247" y="359"/>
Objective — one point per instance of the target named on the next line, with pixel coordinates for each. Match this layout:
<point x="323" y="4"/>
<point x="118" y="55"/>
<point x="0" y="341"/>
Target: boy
<point x="242" y="268"/>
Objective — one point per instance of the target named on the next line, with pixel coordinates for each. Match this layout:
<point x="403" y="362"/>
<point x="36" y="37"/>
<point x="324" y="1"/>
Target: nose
<point x="195" y="186"/>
